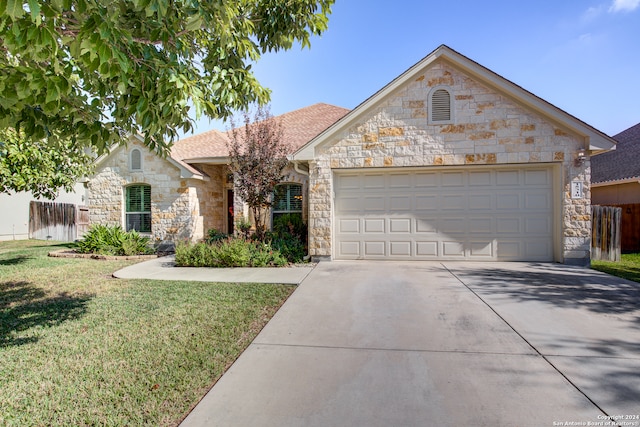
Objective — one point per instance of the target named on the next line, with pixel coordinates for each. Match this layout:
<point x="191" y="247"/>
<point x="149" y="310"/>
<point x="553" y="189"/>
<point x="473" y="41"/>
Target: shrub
<point x="289" y="237"/>
<point x="215" y="236"/>
<point x="112" y="240"/>
<point x="231" y="252"/>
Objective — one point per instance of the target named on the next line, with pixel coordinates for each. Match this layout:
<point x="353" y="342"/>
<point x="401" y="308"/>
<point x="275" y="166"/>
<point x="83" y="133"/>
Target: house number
<point x="576" y="190"/>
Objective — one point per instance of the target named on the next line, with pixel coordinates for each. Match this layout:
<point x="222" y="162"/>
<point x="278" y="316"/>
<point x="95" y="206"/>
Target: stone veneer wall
<point x="488" y="128"/>
<point x="180" y="208"/>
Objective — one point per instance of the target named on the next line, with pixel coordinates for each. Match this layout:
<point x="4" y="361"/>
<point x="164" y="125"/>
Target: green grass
<point x="627" y="268"/>
<point x="78" y="347"/>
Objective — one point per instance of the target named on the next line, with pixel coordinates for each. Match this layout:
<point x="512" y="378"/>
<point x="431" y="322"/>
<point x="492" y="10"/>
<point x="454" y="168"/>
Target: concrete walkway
<point x="453" y="344"/>
<point x="164" y="269"/>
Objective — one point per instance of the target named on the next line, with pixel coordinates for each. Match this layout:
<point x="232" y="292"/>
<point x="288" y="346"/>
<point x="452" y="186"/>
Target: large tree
<point x="42" y="167"/>
<point x="258" y="157"/>
<point x="92" y="71"/>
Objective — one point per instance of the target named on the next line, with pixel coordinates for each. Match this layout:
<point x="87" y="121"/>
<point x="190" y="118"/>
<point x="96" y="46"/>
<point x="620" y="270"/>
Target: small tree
<point x="258" y="156"/>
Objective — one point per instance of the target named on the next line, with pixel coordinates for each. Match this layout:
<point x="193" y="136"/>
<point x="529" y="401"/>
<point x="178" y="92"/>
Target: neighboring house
<point x="191" y="191"/>
<point x="14" y="215"/>
<point x="449" y="161"/>
<point x="615" y="176"/>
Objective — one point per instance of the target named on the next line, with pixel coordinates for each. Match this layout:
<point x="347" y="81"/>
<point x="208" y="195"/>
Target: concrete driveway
<point x="446" y="344"/>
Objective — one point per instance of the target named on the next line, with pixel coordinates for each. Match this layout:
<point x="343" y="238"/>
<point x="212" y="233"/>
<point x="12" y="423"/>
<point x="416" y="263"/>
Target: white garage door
<point x="471" y="214"/>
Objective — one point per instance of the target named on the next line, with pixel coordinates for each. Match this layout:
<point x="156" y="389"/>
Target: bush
<point x="228" y="253"/>
<point x="215" y="236"/>
<point x="106" y="240"/>
<point x="289" y="237"/>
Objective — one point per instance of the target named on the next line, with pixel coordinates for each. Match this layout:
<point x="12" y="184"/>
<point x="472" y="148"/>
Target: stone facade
<point x="180" y="208"/>
<point x="487" y="128"/>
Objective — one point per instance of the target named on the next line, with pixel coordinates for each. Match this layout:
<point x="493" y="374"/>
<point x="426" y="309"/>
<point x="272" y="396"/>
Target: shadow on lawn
<point x="24" y="306"/>
<point x="16" y="260"/>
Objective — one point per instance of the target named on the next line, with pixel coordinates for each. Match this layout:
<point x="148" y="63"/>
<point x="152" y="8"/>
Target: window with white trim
<point x="287" y="199"/>
<point x="440" y="106"/>
<point x="135" y="160"/>
<point x="138" y="208"/>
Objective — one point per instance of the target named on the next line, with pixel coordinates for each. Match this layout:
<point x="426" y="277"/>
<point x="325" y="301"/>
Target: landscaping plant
<point x="112" y="240"/>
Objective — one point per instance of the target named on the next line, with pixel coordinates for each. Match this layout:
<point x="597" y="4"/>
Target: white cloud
<point x="624" y="5"/>
<point x="592" y="14"/>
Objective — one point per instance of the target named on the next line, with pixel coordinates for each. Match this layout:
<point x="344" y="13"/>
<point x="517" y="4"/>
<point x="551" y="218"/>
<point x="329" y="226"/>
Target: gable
<point x="185" y="170"/>
<point x="445" y="67"/>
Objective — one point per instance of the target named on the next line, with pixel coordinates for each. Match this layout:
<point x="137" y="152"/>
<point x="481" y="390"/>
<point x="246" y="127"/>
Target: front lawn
<point x="78" y="347"/>
<point x="627" y="268"/>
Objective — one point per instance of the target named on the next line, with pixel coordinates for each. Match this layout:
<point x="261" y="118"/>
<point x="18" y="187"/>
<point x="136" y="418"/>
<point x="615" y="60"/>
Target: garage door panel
<point x="402" y="203"/>
<point x="480" y="226"/>
<point x="424" y="225"/>
<point x="453" y="179"/>
<point x="374" y="248"/>
<point x="508" y="225"/>
<point x="508" y="178"/>
<point x="346" y="225"/>
<point x="373" y="204"/>
<point x="374" y="225"/>
<point x="470" y="213"/>
<point x="484" y="201"/>
<point x="482" y="249"/>
<point x="453" y="249"/>
<point x="349" y="204"/>
<point x="426" y="202"/>
<point x="427" y="249"/>
<point x="426" y="179"/>
<point x="400" y="248"/>
<point x="452" y="225"/>
<point x="538" y="200"/>
<point x="371" y="181"/>
<point x="350" y="249"/>
<point x="537" y="177"/>
<point x="480" y="179"/>
<point x="453" y="201"/>
<point x="400" y="225"/>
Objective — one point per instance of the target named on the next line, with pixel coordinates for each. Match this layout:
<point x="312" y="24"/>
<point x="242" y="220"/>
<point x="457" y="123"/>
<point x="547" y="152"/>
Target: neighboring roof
<point x="299" y="127"/>
<point x="594" y="139"/>
<point x="621" y="164"/>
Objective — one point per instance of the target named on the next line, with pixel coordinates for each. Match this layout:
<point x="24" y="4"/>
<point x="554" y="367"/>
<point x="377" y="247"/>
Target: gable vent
<point x="441" y="106"/>
<point x="136" y="160"/>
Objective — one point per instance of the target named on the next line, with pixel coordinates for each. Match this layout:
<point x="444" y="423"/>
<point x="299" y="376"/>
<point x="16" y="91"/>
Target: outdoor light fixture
<point x="581" y="156"/>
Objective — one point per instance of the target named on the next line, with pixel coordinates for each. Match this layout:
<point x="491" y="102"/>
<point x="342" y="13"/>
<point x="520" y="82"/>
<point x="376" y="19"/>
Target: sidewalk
<point x="164" y="269"/>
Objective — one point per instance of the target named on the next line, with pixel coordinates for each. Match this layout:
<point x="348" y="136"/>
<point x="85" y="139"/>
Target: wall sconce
<point x="581" y="156"/>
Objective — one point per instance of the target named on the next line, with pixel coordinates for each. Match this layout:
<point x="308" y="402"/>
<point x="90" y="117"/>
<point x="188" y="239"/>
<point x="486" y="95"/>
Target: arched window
<point x="440" y="106"/>
<point x="138" y="208"/>
<point x="287" y="199"/>
<point x="135" y="161"/>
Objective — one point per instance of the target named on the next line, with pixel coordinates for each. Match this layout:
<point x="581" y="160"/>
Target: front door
<point x="229" y="211"/>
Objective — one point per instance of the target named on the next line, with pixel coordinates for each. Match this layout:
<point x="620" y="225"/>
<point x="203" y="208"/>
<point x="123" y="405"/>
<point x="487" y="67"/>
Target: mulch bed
<point x="67" y="253"/>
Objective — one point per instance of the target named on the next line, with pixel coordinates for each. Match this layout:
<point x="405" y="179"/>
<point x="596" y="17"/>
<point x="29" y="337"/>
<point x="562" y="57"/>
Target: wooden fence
<point x="605" y="233"/>
<point x="630" y="228"/>
<point x="57" y="221"/>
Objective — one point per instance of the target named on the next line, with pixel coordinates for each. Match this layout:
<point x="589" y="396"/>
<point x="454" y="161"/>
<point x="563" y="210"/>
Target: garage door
<point x="466" y="214"/>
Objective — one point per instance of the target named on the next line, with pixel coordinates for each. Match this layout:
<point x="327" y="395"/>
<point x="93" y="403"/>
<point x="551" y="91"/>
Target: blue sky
<point x="582" y="56"/>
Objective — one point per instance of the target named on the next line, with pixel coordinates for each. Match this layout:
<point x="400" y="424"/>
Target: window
<point x="135" y="162"/>
<point x="287" y="199"/>
<point x="440" y="110"/>
<point x="138" y="209"/>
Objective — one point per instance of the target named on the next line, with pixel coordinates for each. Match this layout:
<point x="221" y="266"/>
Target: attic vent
<point x="441" y="106"/>
<point x="136" y="160"/>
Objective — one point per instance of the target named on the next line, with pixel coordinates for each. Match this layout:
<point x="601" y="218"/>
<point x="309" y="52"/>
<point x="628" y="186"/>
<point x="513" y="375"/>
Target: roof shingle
<point x="623" y="162"/>
<point x="299" y="127"/>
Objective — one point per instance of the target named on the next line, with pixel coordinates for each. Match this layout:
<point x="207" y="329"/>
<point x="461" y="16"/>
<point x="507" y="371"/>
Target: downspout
<point x="296" y="167"/>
